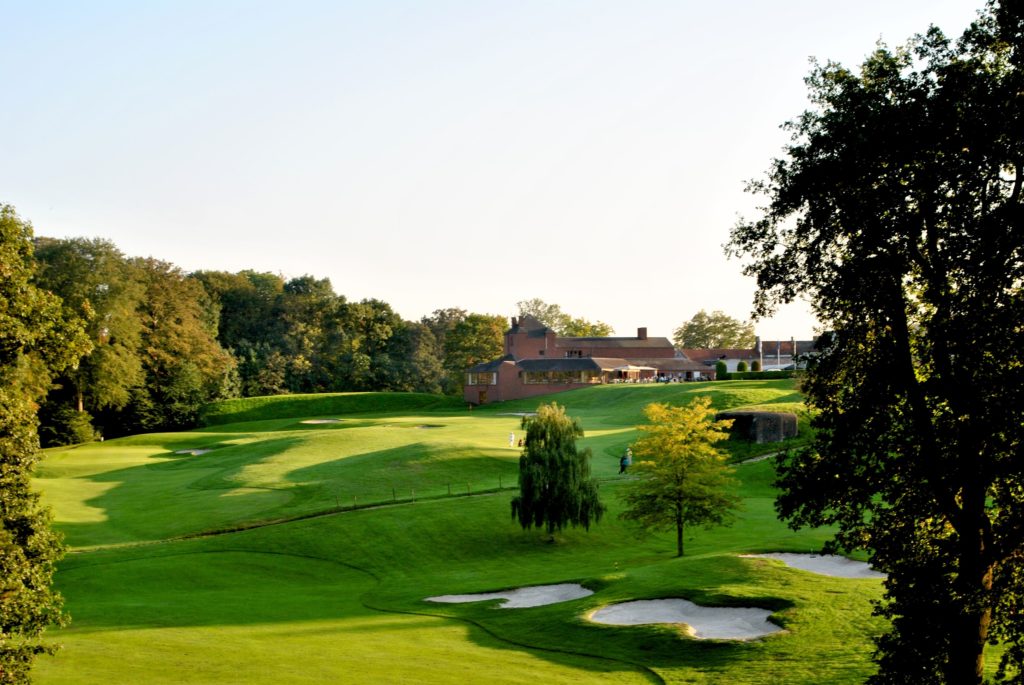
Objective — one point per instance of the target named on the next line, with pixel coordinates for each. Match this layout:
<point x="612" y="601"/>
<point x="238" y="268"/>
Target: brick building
<point x="537" y="361"/>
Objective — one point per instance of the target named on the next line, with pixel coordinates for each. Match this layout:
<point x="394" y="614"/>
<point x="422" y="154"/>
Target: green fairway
<point x="302" y="552"/>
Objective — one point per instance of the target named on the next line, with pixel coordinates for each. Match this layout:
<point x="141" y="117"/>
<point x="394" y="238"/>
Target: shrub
<point x="721" y="371"/>
<point x="755" y="365"/>
<point x="741" y="367"/>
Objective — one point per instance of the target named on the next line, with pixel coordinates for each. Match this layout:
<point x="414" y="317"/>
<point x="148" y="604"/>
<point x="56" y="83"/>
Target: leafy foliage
<point x="36" y="339"/>
<point x="717" y="329"/>
<point x="555" y="487"/>
<point x="721" y="370"/>
<point x="683" y="479"/>
<point x="898" y="214"/>
<point x="477" y="338"/>
<point x="552" y="316"/>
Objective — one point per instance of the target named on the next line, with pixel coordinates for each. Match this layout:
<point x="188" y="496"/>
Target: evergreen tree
<point x="555" y="487"/>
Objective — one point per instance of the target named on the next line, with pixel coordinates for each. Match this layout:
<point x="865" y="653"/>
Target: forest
<point x="164" y="342"/>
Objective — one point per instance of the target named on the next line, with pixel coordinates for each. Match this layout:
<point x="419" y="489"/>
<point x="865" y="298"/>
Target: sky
<point x="428" y="154"/>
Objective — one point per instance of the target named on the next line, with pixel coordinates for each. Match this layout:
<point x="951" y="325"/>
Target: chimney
<point x="641" y="333"/>
<point x="515" y="322"/>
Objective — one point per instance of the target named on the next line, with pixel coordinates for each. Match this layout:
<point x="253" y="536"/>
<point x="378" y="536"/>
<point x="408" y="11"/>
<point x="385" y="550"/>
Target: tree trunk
<point x="81" y="403"/>
<point x="970" y="633"/>
<point x="679" y="533"/>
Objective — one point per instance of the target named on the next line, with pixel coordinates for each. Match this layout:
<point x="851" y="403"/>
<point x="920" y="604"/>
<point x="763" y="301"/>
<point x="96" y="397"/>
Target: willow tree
<point x="897" y="212"/>
<point x="555" y="487"/>
<point x="36" y="340"/>
<point x="682" y="477"/>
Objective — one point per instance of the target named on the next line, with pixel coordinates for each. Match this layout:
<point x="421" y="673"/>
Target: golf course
<point x="296" y="539"/>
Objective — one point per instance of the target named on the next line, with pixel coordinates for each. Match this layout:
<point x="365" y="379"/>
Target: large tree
<point x="552" y="316"/>
<point x="97" y="283"/>
<point x="897" y="212"/>
<point x="37" y="338"/>
<point x="555" y="487"/>
<point x="683" y="479"/>
<point x="716" y="329"/>
<point x="185" y="366"/>
<point x="477" y="338"/>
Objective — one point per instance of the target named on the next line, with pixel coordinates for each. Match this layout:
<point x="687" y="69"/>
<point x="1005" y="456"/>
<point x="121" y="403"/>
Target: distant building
<point x="537" y="361"/>
<point x="774" y="355"/>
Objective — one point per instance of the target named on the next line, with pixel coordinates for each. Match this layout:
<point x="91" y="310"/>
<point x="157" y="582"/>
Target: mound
<point x="327" y="404"/>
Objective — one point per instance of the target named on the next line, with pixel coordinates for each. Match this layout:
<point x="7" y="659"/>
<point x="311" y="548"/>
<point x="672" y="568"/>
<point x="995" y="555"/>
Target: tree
<point x="440" y="323"/>
<point x="184" y="364"/>
<point x="477" y="338"/>
<point x="96" y="283"/>
<point x="552" y="316"/>
<point x="717" y="329"/>
<point x="555" y="487"/>
<point x="683" y="479"/>
<point x="37" y="339"/>
<point x="897" y="212"/>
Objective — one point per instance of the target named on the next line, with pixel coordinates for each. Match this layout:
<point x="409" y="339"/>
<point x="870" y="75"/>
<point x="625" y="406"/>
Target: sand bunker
<point x="705" y="623"/>
<point x="317" y="421"/>
<point x="194" y="453"/>
<point x="524" y="596"/>
<point x="825" y="564"/>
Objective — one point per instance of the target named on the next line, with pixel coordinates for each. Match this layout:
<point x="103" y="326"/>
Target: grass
<point x="340" y="596"/>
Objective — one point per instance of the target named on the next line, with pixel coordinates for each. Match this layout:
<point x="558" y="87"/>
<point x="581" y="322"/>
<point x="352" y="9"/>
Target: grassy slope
<point x="329" y="597"/>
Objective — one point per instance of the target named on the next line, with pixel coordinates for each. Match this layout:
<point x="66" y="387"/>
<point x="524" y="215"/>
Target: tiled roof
<point x="492" y="365"/>
<point x="612" y="342"/>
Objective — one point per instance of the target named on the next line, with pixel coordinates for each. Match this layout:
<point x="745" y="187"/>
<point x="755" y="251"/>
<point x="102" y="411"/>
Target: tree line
<point x="163" y="342"/>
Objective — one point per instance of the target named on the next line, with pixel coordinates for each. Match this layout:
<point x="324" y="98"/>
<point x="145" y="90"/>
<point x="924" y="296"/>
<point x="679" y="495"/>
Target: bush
<point x="741" y="367"/>
<point x="721" y="371"/>
<point x="755" y="365"/>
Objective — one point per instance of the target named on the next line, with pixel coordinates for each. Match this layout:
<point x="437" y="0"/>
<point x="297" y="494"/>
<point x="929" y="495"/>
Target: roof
<point x="529" y="325"/>
<point x="673" y="364"/>
<point x="570" y="364"/>
<point x="492" y="365"/>
<point x="613" y="342"/>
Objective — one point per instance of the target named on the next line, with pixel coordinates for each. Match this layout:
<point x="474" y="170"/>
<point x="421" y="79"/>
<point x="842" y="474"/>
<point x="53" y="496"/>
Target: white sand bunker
<point x="524" y="596"/>
<point x="318" y="421"/>
<point x="194" y="453"/>
<point x="705" y="623"/>
<point x="824" y="564"/>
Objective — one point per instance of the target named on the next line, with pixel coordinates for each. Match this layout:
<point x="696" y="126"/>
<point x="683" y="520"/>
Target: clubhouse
<point x="536" y="361"/>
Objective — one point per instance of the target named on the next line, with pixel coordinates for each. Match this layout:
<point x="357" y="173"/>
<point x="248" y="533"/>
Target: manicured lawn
<point x="339" y="597"/>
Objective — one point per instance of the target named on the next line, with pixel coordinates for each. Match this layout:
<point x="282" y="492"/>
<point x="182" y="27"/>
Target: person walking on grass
<point x="626" y="460"/>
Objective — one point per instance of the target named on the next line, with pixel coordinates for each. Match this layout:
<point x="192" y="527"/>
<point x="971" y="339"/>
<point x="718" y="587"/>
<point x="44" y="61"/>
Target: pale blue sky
<point x="430" y="154"/>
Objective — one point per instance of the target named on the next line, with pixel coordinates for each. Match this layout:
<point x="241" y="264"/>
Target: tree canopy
<point x="37" y="340"/>
<point x="897" y="211"/>
<point x="555" y="487"/>
<point x="563" y="324"/>
<point x="682" y="477"/>
<point x="717" y="329"/>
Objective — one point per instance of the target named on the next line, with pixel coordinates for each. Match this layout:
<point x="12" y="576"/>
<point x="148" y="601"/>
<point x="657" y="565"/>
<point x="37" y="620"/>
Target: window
<point x="488" y="378"/>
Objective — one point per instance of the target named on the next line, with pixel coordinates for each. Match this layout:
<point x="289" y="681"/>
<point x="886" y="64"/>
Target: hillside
<point x="363" y="528"/>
